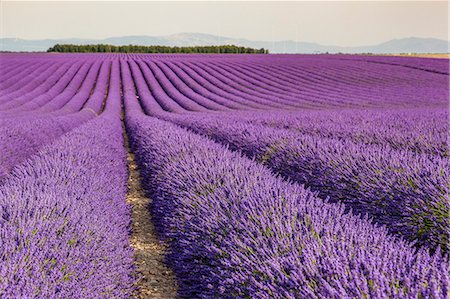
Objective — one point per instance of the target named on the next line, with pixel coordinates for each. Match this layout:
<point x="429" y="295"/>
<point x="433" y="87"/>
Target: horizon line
<point x="237" y="38"/>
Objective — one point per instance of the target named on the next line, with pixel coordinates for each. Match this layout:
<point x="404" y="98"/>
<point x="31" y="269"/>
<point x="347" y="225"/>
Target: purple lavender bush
<point x="402" y="190"/>
<point x="237" y="231"/>
<point x="64" y="223"/>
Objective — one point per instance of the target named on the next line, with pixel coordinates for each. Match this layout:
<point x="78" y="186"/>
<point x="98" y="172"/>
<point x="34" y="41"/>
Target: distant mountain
<point x="404" y="45"/>
<point x="410" y="45"/>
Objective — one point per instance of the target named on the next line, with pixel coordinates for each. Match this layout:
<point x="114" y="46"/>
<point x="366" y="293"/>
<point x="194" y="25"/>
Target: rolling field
<point x="265" y="176"/>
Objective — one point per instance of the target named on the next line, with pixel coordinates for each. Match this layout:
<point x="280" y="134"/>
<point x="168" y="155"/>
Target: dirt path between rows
<point x="156" y="280"/>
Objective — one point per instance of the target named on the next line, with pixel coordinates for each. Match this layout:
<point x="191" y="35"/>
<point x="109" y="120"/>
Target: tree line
<point x="102" y="48"/>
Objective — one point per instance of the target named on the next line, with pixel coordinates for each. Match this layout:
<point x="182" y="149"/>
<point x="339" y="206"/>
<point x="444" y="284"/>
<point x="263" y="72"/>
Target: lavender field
<point x="269" y="176"/>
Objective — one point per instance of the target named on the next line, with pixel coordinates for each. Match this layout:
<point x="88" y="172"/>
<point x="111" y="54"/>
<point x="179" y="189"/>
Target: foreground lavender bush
<point x="64" y="221"/>
<point x="403" y="190"/>
<point x="236" y="231"/>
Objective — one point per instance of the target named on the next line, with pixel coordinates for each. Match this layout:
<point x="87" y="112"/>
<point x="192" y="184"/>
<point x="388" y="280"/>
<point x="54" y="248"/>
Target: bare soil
<point x="443" y="55"/>
<point x="156" y="280"/>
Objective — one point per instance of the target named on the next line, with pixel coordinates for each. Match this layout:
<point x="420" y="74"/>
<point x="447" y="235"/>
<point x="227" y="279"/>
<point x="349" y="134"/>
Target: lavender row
<point x="203" y="87"/>
<point x="163" y="92"/>
<point x="387" y="93"/>
<point x="38" y="85"/>
<point x="268" y="83"/>
<point x="208" y="82"/>
<point x="12" y="69"/>
<point x="304" y="82"/>
<point x="80" y="86"/>
<point x="12" y="65"/>
<point x="22" y="79"/>
<point x="90" y="97"/>
<point x="23" y="137"/>
<point x="246" y="86"/>
<point x="293" y="86"/>
<point x="86" y="90"/>
<point x="434" y="65"/>
<point x="222" y="87"/>
<point x="236" y="231"/>
<point x="182" y="83"/>
<point x="402" y="190"/>
<point x="64" y="224"/>
<point x="347" y="83"/>
<point x="67" y="91"/>
<point x="55" y="84"/>
<point x="418" y="130"/>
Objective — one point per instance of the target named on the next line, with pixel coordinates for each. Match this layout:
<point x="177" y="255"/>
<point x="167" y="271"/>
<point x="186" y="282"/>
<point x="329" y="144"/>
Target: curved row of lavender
<point x="237" y="231"/>
<point x="182" y="83"/>
<point x="72" y="82"/>
<point x="64" y="222"/>
<point x="81" y="96"/>
<point x="285" y="83"/>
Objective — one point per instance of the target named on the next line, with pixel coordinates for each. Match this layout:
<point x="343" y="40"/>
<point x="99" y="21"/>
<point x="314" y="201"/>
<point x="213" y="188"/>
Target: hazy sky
<point x="334" y="23"/>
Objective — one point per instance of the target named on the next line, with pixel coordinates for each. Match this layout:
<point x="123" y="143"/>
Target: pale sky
<point x="352" y="23"/>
